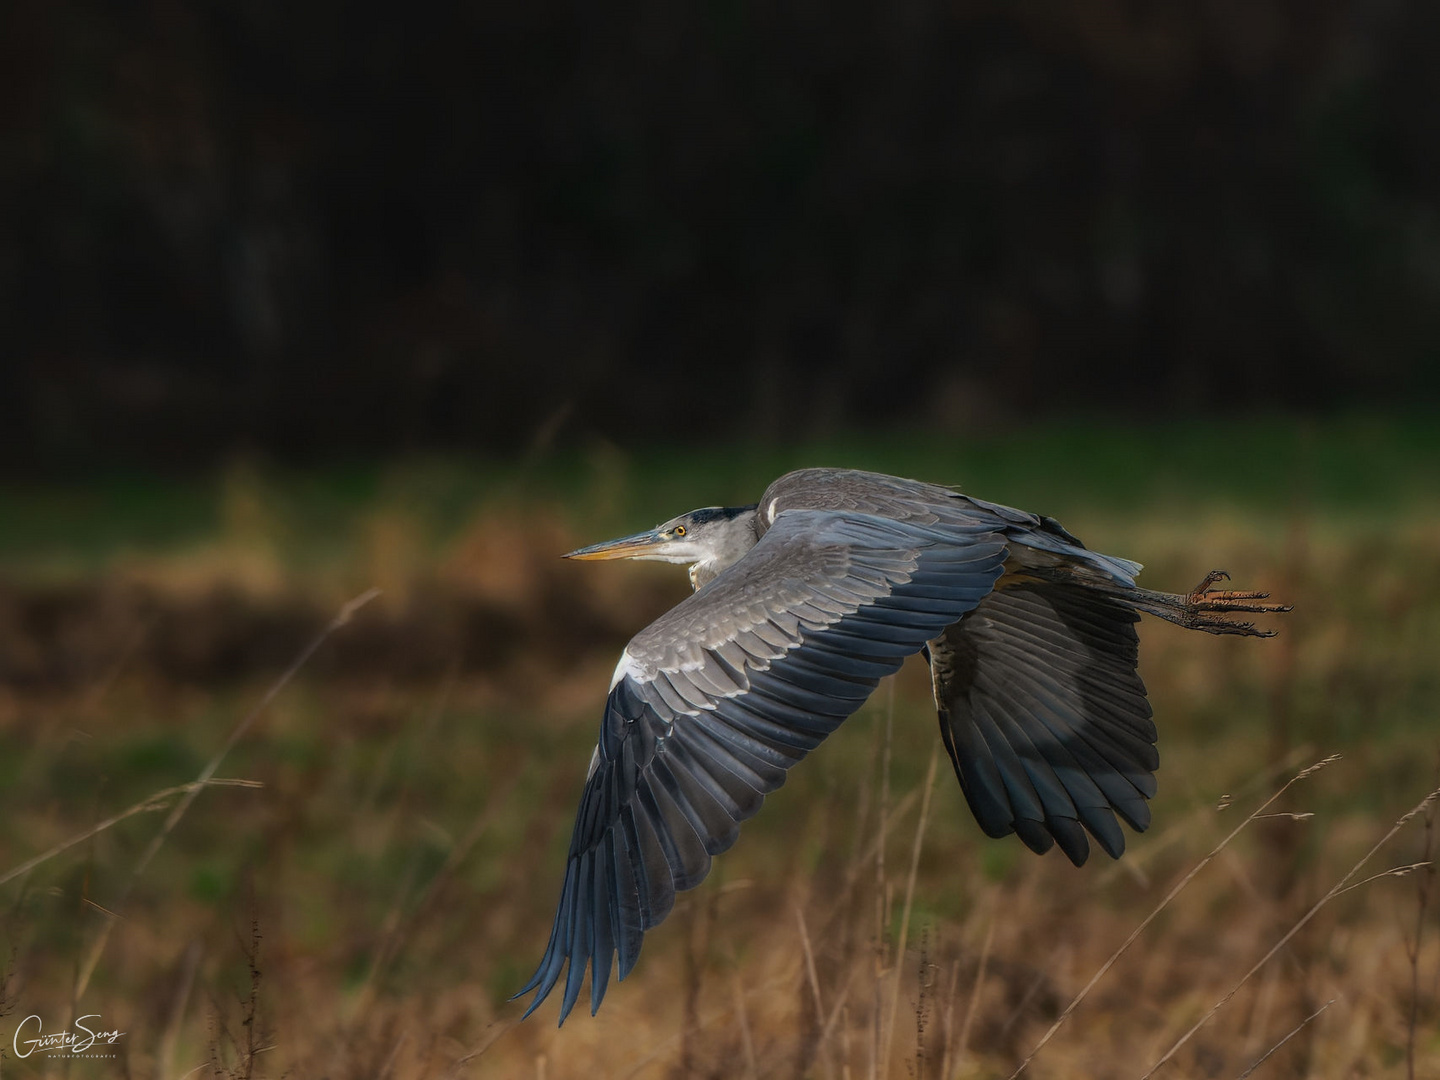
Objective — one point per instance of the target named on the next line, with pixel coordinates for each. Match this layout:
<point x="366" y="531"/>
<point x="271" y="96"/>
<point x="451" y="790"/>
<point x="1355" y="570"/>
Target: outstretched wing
<point x="715" y="700"/>
<point x="1045" y="716"/>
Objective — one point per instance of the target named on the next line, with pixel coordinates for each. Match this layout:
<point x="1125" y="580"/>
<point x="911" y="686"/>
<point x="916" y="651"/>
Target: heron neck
<point x="730" y="543"/>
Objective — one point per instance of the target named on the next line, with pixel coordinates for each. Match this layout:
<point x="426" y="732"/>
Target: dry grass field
<point x="377" y="873"/>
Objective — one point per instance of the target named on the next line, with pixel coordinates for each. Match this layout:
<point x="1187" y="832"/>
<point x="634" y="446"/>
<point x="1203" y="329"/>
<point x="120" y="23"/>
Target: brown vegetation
<point x="367" y="910"/>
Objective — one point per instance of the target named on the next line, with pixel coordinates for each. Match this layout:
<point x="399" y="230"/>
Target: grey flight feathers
<point x="803" y="603"/>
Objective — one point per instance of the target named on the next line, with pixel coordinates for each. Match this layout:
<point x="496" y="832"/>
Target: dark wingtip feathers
<point x="1071" y="837"/>
<point x="1034" y="835"/>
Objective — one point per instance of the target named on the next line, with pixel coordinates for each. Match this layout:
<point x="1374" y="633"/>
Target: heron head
<point x="714" y="535"/>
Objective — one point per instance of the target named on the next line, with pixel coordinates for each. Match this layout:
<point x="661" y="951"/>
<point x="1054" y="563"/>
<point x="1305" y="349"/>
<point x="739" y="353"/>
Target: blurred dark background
<point x="320" y="229"/>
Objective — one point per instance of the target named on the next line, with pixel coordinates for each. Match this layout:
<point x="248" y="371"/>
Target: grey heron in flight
<point x="802" y="603"/>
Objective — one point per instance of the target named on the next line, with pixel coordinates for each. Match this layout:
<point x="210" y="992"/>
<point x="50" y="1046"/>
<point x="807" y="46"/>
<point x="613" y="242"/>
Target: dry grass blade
<point x="874" y="850"/>
<point x="810" y="965"/>
<point x="974" y="1004"/>
<point x="879" y="1068"/>
<point x="1174" y="892"/>
<point x="1412" y="947"/>
<point x="345" y="614"/>
<point x="841" y="1001"/>
<point x="1394" y="871"/>
<point x="1298" y="1028"/>
<point x="743" y="1015"/>
<point x="1335" y="891"/>
<point x="488" y="1038"/>
<point x="150" y="804"/>
<point x="909" y="898"/>
<point x="947" y="1027"/>
<point x="388" y="1068"/>
<point x="166" y="1053"/>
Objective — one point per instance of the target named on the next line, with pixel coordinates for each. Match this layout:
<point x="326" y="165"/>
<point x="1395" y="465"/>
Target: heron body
<point x="803" y="602"/>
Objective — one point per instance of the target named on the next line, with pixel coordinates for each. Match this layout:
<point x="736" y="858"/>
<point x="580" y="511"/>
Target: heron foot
<point x="1204" y="598"/>
<point x="1203" y="608"/>
<point x="1206" y="608"/>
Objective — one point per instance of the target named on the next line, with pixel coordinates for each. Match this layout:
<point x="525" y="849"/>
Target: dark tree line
<point x="336" y="227"/>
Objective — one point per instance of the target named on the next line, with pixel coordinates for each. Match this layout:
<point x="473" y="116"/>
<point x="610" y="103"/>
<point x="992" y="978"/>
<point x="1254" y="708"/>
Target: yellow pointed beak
<point x="627" y="547"/>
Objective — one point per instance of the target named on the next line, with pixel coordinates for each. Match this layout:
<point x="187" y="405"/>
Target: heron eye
<point x="679" y="530"/>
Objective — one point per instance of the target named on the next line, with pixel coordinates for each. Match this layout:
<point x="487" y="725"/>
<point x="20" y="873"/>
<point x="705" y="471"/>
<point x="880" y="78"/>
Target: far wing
<point x="1045" y="716"/>
<point x="916" y="502"/>
<point x="719" y="697"/>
